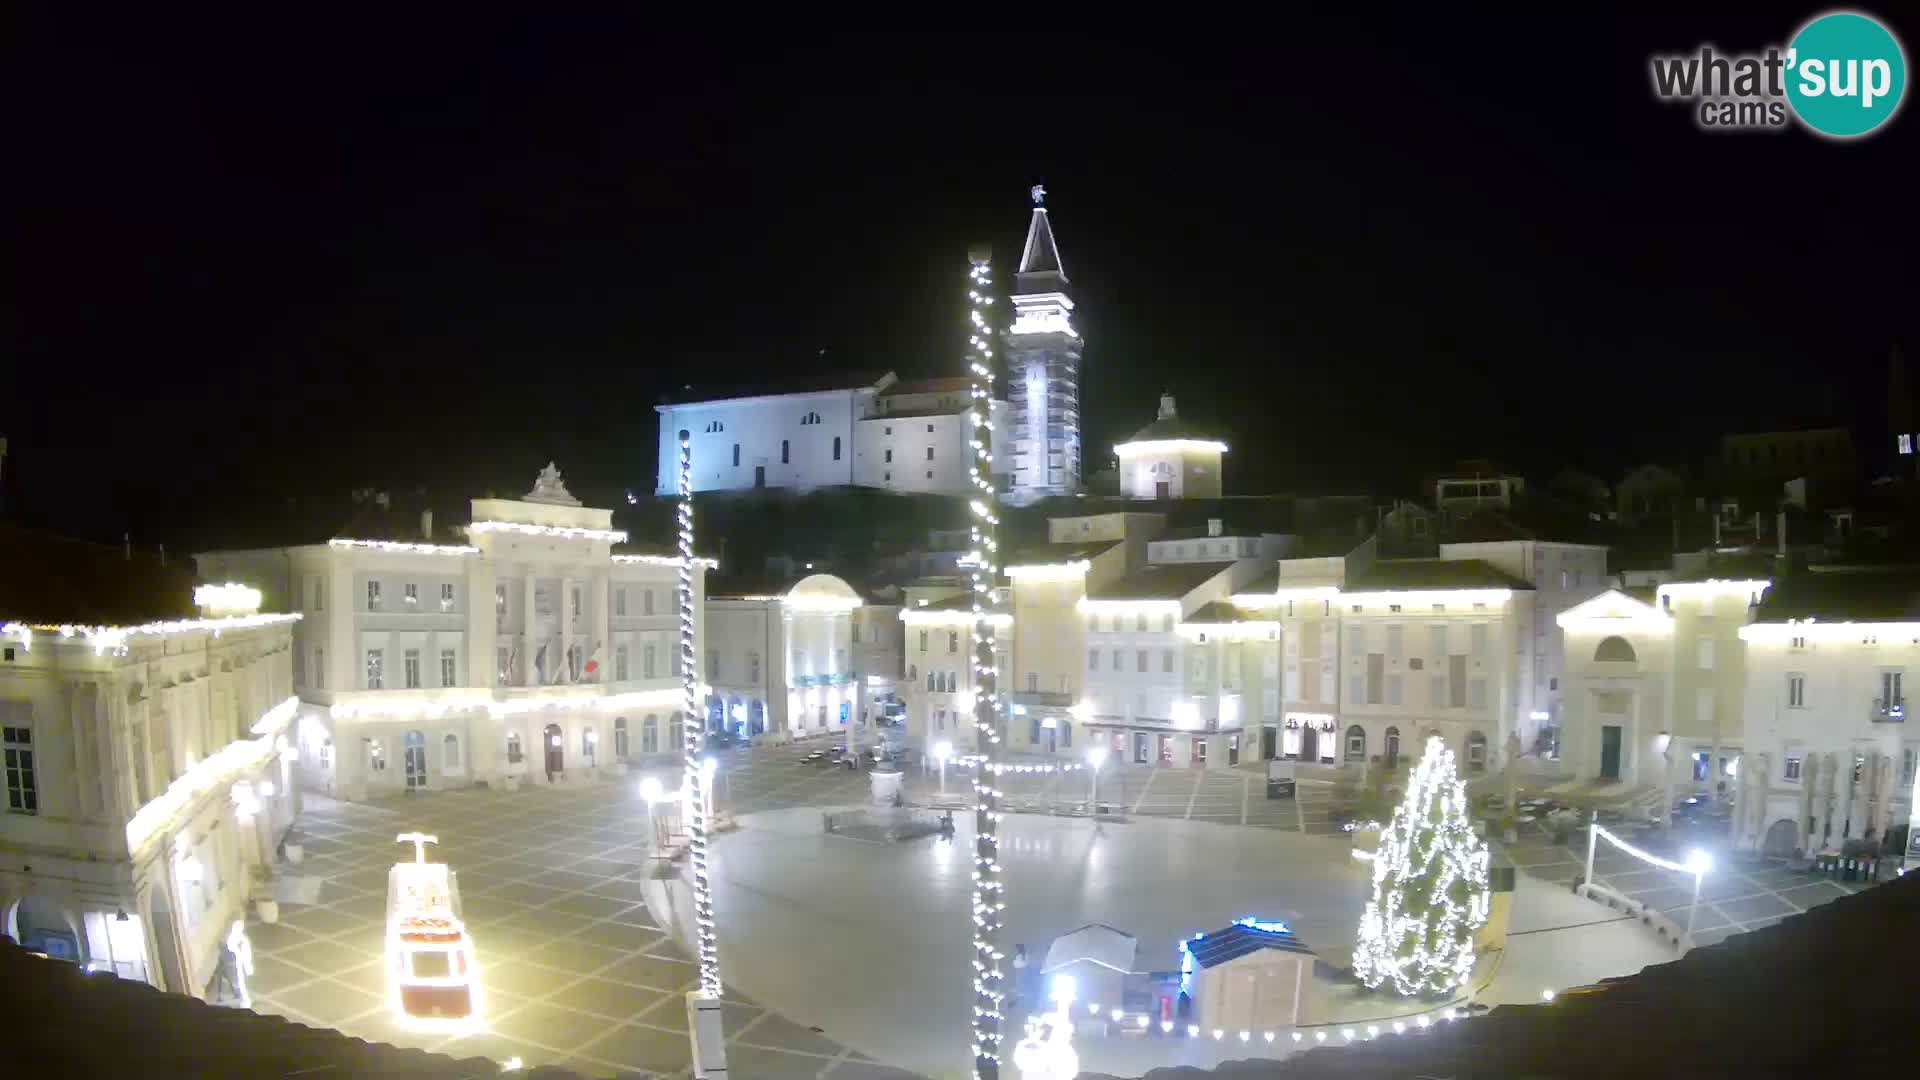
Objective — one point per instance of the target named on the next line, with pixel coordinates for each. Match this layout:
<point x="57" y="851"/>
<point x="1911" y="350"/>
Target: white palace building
<point x="534" y="652"/>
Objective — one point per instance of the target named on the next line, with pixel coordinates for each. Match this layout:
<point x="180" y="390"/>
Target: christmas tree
<point x="1429" y="887"/>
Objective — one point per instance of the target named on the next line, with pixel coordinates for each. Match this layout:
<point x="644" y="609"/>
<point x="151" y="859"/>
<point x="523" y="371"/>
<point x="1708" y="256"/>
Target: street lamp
<point x="1699" y="862"/>
<point x="1096" y="757"/>
<point x="942" y="750"/>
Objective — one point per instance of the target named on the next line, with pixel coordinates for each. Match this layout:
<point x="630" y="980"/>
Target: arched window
<point x="650" y="735"/>
<point x="1393" y="747"/>
<point x="589" y="742"/>
<point x="513" y="748"/>
<point x="1476" y="753"/>
<point x="450" y="752"/>
<point x="674" y="734"/>
<point x="1614" y="649"/>
<point x="620" y="738"/>
<point x="1356" y="743"/>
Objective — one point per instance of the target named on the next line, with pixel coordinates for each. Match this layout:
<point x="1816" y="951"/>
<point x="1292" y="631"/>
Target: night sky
<point x="251" y="258"/>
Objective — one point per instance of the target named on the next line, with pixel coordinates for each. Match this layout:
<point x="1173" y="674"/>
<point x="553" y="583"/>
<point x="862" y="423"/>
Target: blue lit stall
<point x="1251" y="976"/>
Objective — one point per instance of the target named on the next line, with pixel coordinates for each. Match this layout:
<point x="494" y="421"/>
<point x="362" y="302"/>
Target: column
<point x="483" y="637"/>
<point x="567" y="639"/>
<point x="602" y="633"/>
<point x="525" y="675"/>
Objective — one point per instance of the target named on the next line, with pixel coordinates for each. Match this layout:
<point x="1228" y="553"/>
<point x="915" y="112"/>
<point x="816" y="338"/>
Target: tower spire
<point x="1040" y="267"/>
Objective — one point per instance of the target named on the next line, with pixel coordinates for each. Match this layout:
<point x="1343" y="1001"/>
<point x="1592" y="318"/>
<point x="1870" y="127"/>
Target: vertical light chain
<point x="693" y="737"/>
<point x="989" y="895"/>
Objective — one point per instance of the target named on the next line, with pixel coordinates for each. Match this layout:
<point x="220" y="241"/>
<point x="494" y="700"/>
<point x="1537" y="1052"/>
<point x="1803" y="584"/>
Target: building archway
<point x="414" y="753"/>
<point x="1393" y="747"/>
<point x="1309" y="743"/>
<point x="553" y="747"/>
<point x="1783" y="838"/>
<point x="1614" y="650"/>
<point x="1356" y="748"/>
<point x="42" y="926"/>
<point x="1476" y="753"/>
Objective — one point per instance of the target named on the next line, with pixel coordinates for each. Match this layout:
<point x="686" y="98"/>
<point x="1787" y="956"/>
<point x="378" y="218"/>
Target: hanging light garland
<point x="989" y="897"/>
<point x="1429" y="887"/>
<point x="693" y="738"/>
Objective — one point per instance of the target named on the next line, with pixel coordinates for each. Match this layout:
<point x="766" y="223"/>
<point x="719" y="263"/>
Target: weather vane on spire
<point x="1039" y="194"/>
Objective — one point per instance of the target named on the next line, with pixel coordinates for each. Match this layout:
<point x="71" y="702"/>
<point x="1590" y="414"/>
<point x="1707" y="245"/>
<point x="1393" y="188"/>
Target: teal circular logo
<point x="1845" y="74"/>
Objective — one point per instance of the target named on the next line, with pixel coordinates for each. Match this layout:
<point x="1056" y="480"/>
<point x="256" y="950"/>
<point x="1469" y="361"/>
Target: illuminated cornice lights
<point x="1049" y="571"/>
<point x="663" y="560"/>
<point x="19" y="632"/>
<point x="1812" y="630"/>
<point x="104" y="639"/>
<point x="914" y="617"/>
<point x="1234" y="631"/>
<point x="447" y="704"/>
<point x="1753" y="589"/>
<point x="221" y="769"/>
<point x="228" y="599"/>
<point x="1405" y="597"/>
<point x="1170" y="446"/>
<point x="1088" y="605"/>
<point x="403" y="547"/>
<point x="829" y="604"/>
<point x="568" y="532"/>
<point x="1282" y="595"/>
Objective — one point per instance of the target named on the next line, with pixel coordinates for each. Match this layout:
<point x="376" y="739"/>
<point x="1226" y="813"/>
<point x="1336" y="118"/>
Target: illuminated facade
<point x="149" y="774"/>
<point x="1043" y="370"/>
<point x="531" y="652"/>
<point x="784" y="665"/>
<point x="865" y="431"/>
<point x="1170" y="459"/>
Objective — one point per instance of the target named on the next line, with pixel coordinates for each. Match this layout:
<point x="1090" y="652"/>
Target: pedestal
<point x="709" y="1041"/>
<point x="886" y="787"/>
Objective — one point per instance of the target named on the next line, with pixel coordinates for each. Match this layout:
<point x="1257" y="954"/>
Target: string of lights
<point x="1429" y="887"/>
<point x="693" y="740"/>
<point x="989" y="895"/>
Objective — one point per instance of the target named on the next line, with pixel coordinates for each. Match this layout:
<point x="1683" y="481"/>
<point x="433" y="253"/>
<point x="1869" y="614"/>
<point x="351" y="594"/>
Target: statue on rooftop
<point x="548" y="487"/>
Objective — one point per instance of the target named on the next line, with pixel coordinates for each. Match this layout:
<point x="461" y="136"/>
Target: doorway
<point x="1233" y="749"/>
<point x="1162" y="489"/>
<point x="1393" y="747"/>
<point x="1140" y="748"/>
<point x="554" y="748"/>
<point x="1199" y="752"/>
<point x="1052" y="735"/>
<point x="1610" y="752"/>
<point x="759" y="476"/>
<point x="1309" y="743"/>
<point x="1166" y="749"/>
<point x="415" y="757"/>
<point x="1269" y="742"/>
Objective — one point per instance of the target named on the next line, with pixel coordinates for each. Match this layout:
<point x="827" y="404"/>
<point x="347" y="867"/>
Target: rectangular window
<point x="836" y="448"/>
<point x="1395" y="641"/>
<point x="889" y="457"/>
<point x="1456" y="682"/>
<point x="649" y="658"/>
<point x="1477" y="640"/>
<point x="1033" y="682"/>
<point x="1437" y="640"/>
<point x="923" y="641"/>
<point x="1166" y="624"/>
<point x="373" y="596"/>
<point x="786" y="452"/>
<point x="1356" y="688"/>
<point x="1093" y="659"/>
<point x="1356" y="641"/>
<point x="1437" y="691"/>
<point x="621" y="670"/>
<point x="1796" y="691"/>
<point x="1140" y="660"/>
<point x="23" y="788"/>
<point x="953" y="642"/>
<point x="1119" y="661"/>
<point x="646" y="601"/>
<point x="319" y="669"/>
<point x="1140" y="623"/>
<point x="1908" y="757"/>
<point x="1396" y="694"/>
<point x="1890" y="688"/>
<point x="856" y="633"/>
<point x="501" y="659"/>
<point x="446" y="596"/>
<point x="736" y="455"/>
<point x="1790" y="768"/>
<point x="576" y="601"/>
<point x="410" y="594"/>
<point x="929" y="449"/>
<point x="620" y="600"/>
<point x="500" y="602"/>
<point x="449" y="674"/>
<point x="1704" y="653"/>
<point x="1476" y="693"/>
<point x="1166" y="661"/>
<point x="376" y="662"/>
<point x="319" y="594"/>
<point x="410" y="661"/>
<point x="1376" y="678"/>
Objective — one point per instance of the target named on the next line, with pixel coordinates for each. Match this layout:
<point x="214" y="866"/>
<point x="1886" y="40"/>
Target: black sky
<point x="250" y="257"/>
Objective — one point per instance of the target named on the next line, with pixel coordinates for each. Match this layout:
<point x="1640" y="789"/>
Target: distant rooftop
<point x="1219" y="611"/>
<point x="1877" y="594"/>
<point x="53" y="579"/>
<point x="1161" y="581"/>
<point x="1058" y="553"/>
<point x="790" y="384"/>
<point x="1432" y="574"/>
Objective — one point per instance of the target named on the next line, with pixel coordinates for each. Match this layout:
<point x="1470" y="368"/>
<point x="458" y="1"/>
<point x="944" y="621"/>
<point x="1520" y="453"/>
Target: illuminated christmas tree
<point x="1429" y="887"/>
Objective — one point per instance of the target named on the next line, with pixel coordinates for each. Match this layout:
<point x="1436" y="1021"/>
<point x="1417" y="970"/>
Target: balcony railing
<point x="1887" y="711"/>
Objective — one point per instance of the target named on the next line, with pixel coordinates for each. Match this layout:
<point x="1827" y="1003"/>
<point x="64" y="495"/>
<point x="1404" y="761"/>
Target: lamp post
<point x="942" y="750"/>
<point x="1096" y="757"/>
